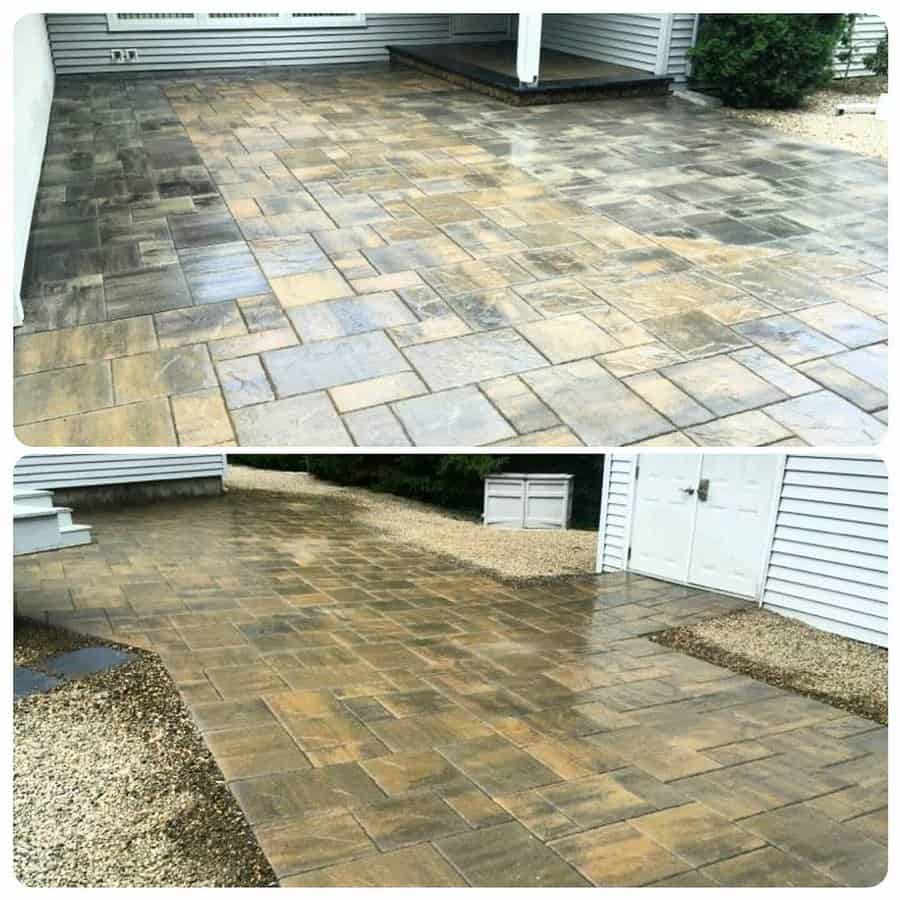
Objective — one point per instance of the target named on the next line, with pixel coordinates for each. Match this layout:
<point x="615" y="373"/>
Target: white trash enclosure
<point x="806" y="536"/>
<point x="528" y="501"/>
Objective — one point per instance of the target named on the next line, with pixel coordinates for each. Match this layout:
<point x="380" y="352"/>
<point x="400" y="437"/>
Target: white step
<point x="33" y="498"/>
<point x="73" y="535"/>
<point x="39" y="528"/>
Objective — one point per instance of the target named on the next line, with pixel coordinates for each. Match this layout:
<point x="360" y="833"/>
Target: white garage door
<point x="704" y="519"/>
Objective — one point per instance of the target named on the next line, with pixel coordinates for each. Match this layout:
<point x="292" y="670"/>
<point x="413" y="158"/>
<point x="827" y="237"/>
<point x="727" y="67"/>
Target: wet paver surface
<point x="388" y="718"/>
<point x="373" y="256"/>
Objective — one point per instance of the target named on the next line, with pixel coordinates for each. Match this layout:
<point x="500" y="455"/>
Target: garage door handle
<point x="689" y="491"/>
<point x="703" y="489"/>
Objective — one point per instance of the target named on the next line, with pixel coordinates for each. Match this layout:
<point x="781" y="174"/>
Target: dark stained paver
<point x="359" y="255"/>
<point x="386" y="718"/>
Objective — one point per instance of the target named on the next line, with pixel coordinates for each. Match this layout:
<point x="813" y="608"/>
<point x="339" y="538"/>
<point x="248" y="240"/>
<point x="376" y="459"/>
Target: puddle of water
<point x="27" y="682"/>
<point x="87" y="661"/>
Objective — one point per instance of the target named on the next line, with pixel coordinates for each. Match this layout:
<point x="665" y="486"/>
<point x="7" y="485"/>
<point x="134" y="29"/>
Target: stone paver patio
<point x="386" y="718"/>
<point x="372" y="256"/>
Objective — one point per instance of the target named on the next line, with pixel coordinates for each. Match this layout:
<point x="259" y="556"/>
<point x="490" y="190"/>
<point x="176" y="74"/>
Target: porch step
<point x="438" y="60"/>
<point x="32" y="497"/>
<point x="38" y="525"/>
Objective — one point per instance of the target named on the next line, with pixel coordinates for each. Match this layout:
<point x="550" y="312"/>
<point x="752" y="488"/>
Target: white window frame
<point x="210" y="21"/>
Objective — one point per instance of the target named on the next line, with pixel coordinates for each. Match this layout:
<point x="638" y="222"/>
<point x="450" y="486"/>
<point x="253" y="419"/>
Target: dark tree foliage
<point x="452" y="481"/>
<point x="766" y="60"/>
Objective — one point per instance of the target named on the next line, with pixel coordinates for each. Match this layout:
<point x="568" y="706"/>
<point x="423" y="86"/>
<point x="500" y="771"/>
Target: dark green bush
<point x="287" y="462"/>
<point x="452" y="481"/>
<point x="877" y="62"/>
<point x="765" y="60"/>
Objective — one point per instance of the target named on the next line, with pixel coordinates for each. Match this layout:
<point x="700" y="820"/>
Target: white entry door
<point x="734" y="510"/>
<point x="704" y="519"/>
<point x="663" y="517"/>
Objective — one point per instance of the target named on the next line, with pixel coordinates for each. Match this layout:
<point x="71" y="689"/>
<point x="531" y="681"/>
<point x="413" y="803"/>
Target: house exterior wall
<point x="71" y="470"/>
<point x="626" y="40"/>
<point x="615" y="512"/>
<point x="684" y="33"/>
<point x="33" y="95"/>
<point x="867" y="32"/>
<point x="81" y="44"/>
<point x="827" y="562"/>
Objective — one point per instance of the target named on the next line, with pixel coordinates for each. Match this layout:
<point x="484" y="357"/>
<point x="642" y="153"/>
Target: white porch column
<point x="528" y="48"/>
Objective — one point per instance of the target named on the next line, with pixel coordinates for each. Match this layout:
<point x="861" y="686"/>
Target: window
<point x="178" y="21"/>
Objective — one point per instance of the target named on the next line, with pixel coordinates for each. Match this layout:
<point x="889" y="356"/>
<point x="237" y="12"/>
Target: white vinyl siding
<point x="81" y="44"/>
<point x="626" y="40"/>
<point x="867" y="32"/>
<point x="683" y="33"/>
<point x="177" y="21"/>
<point x="829" y="560"/>
<point x="615" y="512"/>
<point x="68" y="470"/>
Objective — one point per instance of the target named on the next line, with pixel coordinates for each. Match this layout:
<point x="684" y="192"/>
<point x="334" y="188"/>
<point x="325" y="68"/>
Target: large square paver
<point x="492" y="309"/>
<point x="309" y="420"/>
<point x="352" y="315"/>
<point x="695" y="334"/>
<point x="788" y="338"/>
<point x="474" y="357"/>
<point x="598" y="407"/>
<point x="839" y="850"/>
<point x="419" y="866"/>
<point x="568" y="338"/>
<point x="399" y="822"/>
<point x="508" y="856"/>
<point x="722" y="385"/>
<point x="323" y="364"/>
<point x="461" y="416"/>
<point x="311" y="843"/>
<point x="697" y="834"/>
<point x="498" y="766"/>
<point x="619" y="856"/>
<point x="845" y="323"/>
<point x="825" y="419"/>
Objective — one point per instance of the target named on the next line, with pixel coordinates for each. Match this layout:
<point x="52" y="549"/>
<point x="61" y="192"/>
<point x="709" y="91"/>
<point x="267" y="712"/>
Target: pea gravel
<point x="113" y="786"/>
<point x="781" y="651"/>
<point x="816" y="121"/>
<point x="505" y="552"/>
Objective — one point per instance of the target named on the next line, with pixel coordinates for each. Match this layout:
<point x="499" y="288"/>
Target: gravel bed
<point x="781" y="651"/>
<point x="508" y="553"/>
<point x="35" y="641"/>
<point x="113" y="786"/>
<point x="816" y="121"/>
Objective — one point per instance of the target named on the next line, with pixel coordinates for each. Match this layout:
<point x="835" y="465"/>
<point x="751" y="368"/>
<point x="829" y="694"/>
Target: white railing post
<point x="528" y="48"/>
